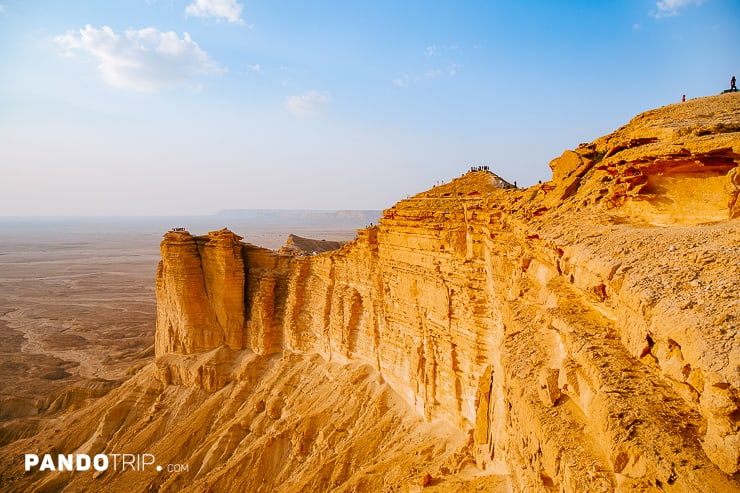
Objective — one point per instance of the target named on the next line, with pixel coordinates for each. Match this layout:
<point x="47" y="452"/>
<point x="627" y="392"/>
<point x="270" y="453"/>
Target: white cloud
<point x="437" y="56"/>
<point x="140" y="60"/>
<point x="434" y="50"/>
<point x="256" y="68"/>
<point x="2" y="8"/>
<point x="433" y="74"/>
<point x="407" y="80"/>
<point x="401" y="81"/>
<point x="669" y="8"/>
<point x="310" y="103"/>
<point x="231" y="10"/>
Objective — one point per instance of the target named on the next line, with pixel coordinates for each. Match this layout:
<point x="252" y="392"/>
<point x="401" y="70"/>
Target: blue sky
<point x="164" y="107"/>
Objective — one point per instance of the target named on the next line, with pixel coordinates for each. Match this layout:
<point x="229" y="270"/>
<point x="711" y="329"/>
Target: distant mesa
<point x="297" y="245"/>
<point x="278" y="217"/>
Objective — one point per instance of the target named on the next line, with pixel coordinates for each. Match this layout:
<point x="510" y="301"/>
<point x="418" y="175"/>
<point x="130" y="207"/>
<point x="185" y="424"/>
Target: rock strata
<point x="542" y="320"/>
<point x="200" y="293"/>
<point x="578" y="335"/>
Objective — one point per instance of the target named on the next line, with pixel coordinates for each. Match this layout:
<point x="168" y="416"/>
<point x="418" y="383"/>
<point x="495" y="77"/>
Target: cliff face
<point x="579" y="335"/>
<point x="200" y="293"/>
<point x="586" y="347"/>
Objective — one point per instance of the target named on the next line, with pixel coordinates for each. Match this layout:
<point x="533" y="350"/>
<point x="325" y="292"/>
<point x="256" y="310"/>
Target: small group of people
<point x="177" y="229"/>
<point x="479" y="168"/>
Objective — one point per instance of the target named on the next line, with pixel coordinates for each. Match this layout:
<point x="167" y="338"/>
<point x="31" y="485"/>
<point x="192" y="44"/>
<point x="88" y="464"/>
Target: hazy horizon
<point x="153" y="108"/>
<point x="269" y="229"/>
<point x="205" y="214"/>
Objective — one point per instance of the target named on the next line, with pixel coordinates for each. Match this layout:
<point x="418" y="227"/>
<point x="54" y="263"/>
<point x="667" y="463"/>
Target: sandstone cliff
<point x="582" y="334"/>
<point x="587" y="348"/>
<point x="200" y="293"/>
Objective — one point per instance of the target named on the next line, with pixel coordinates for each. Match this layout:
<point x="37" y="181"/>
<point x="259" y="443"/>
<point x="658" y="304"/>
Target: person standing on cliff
<point x="733" y="87"/>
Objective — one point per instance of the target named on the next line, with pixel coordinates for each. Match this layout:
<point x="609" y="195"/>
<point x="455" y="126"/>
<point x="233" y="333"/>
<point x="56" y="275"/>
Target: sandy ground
<point x="77" y="307"/>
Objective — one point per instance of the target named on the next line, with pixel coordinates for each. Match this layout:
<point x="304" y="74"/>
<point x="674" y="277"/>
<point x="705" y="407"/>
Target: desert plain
<point x="77" y="303"/>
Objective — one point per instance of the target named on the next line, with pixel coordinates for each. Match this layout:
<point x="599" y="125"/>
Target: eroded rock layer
<point x="586" y="345"/>
<point x="200" y="293"/>
<point x="579" y="335"/>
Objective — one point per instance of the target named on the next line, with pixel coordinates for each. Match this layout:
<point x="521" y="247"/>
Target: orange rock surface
<point x="200" y="293"/>
<point x="578" y="335"/>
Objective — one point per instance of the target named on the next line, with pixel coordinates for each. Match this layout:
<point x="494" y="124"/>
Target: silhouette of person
<point x="733" y="87"/>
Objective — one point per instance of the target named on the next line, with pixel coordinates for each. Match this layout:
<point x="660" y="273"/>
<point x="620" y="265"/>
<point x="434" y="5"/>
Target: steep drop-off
<point x="579" y="335"/>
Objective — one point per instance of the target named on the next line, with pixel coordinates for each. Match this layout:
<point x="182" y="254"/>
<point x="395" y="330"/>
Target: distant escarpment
<point x="578" y="335"/>
<point x="297" y="245"/>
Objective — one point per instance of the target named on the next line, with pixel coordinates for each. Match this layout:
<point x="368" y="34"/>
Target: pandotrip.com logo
<point x="99" y="462"/>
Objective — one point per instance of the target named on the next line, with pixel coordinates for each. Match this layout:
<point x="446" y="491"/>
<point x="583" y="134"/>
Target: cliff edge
<point x="583" y="329"/>
<point x="578" y="335"/>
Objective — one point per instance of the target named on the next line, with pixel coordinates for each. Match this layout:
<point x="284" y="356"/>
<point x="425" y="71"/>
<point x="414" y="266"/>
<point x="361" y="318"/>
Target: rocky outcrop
<point x="200" y="293"/>
<point x="586" y="348"/>
<point x="674" y="165"/>
<point x="297" y="245"/>
<point x="579" y="335"/>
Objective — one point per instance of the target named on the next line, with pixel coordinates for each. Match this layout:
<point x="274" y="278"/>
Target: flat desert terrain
<point x="77" y="306"/>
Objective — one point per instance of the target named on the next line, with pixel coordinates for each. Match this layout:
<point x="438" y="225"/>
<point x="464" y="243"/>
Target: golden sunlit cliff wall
<point x="586" y="345"/>
<point x="200" y="293"/>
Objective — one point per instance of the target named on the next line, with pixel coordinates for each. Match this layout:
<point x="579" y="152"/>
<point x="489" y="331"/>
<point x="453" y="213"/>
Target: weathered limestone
<point x="200" y="293"/>
<point x="585" y="345"/>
